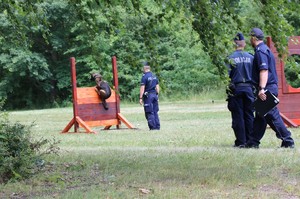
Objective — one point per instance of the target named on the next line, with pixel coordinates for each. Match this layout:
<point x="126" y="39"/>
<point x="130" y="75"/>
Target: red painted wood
<point x="297" y="121"/>
<point x="69" y="125"/>
<point x="116" y="82"/>
<point x="290" y="89"/>
<point x="84" y="125"/>
<point x="287" y="121"/>
<point x="93" y="112"/>
<point x="86" y="95"/>
<point x="74" y="92"/>
<point x="125" y="121"/>
<point x="111" y="122"/>
<point x="289" y="97"/>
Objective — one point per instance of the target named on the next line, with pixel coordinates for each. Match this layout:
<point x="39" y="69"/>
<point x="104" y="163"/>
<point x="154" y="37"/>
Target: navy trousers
<point x="241" y="107"/>
<point x="151" y="111"/>
<point x="274" y="120"/>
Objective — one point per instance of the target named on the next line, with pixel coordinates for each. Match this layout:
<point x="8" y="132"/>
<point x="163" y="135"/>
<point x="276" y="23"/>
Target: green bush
<point x="20" y="156"/>
<point x="292" y="71"/>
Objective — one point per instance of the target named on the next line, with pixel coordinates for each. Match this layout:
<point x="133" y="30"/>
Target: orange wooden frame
<point x="289" y="97"/>
<point x="87" y="107"/>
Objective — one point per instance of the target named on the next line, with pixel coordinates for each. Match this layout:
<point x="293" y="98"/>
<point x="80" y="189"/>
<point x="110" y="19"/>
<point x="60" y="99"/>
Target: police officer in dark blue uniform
<point x="240" y="96"/>
<point x="149" y="91"/>
<point x="265" y="78"/>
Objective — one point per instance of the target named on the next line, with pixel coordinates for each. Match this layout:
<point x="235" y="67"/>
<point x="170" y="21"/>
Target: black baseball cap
<point x="145" y="63"/>
<point x="239" y="37"/>
<point x="258" y="33"/>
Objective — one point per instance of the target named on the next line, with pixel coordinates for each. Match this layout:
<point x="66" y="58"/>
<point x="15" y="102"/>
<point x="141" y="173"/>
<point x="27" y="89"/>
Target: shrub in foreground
<point x="20" y="155"/>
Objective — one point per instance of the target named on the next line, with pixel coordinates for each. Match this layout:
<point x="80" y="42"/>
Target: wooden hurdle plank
<point x="92" y="112"/>
<point x="88" y="95"/>
<point x="111" y="122"/>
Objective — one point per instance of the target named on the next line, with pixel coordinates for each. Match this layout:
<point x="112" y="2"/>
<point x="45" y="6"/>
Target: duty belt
<point x="243" y="84"/>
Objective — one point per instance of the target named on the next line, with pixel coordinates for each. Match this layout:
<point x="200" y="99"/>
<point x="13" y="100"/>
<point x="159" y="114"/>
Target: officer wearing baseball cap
<point x="241" y="96"/>
<point x="258" y="33"/>
<point x="265" y="78"/>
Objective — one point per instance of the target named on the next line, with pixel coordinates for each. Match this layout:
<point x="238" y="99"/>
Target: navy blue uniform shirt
<point x="240" y="68"/>
<point x="150" y="81"/>
<point x="264" y="60"/>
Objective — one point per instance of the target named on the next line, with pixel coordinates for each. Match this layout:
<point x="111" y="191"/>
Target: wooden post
<point x="74" y="92"/>
<point x="76" y="120"/>
<point x="116" y="84"/>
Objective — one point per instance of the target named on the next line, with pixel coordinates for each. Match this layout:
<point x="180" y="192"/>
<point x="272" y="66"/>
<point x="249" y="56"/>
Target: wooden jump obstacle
<point x="88" y="110"/>
<point x="289" y="97"/>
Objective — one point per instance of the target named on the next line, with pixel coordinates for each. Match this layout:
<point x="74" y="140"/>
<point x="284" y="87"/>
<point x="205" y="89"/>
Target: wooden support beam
<point x="287" y="121"/>
<point x="125" y="121"/>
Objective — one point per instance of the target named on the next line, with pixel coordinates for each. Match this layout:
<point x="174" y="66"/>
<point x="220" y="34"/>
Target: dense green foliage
<point x="16" y="156"/>
<point x="184" y="41"/>
<point x="20" y="155"/>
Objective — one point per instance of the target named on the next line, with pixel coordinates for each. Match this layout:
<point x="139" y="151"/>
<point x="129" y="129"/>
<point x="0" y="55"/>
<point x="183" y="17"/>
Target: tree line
<point x="185" y="42"/>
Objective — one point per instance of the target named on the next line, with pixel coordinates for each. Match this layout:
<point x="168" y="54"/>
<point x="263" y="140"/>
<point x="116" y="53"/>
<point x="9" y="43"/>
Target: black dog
<point x="102" y="88"/>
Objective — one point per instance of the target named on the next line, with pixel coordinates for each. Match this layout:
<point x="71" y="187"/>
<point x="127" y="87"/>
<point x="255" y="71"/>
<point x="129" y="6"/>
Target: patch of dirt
<point x="278" y="191"/>
<point x="58" y="179"/>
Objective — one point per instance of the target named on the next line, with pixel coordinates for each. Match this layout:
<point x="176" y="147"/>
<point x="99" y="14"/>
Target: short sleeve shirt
<point x="240" y="67"/>
<point x="149" y="80"/>
<point x="264" y="60"/>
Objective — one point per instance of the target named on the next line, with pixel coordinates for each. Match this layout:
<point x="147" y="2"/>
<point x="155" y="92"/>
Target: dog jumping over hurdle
<point x="102" y="88"/>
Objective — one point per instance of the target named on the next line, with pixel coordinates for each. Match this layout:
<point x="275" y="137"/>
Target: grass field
<point x="190" y="157"/>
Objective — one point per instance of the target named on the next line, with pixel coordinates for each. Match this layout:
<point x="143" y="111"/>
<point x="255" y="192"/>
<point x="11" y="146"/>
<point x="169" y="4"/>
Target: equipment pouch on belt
<point x="146" y="94"/>
<point x="230" y="89"/>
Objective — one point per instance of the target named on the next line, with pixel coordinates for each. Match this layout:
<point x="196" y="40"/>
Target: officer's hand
<point x="262" y="95"/>
<point x="141" y="101"/>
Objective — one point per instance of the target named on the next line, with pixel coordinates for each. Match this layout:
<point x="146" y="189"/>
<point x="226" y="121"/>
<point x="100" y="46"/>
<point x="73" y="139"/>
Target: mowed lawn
<point x="190" y="157"/>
